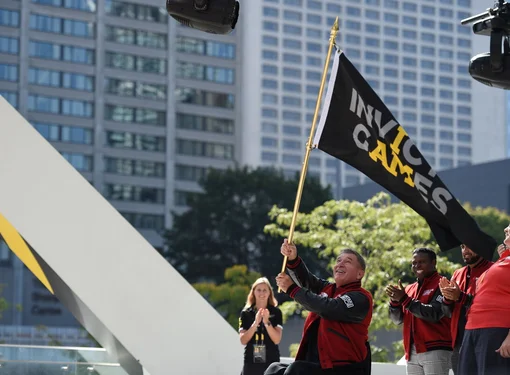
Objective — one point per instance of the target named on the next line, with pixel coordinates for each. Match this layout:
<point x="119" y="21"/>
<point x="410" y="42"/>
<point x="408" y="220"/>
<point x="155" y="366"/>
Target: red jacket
<point x="423" y="318"/>
<point x="490" y="308"/>
<point x="345" y="313"/>
<point x="467" y="286"/>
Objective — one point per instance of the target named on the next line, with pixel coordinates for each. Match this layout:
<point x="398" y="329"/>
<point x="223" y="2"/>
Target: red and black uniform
<point x="466" y="278"/>
<point x="488" y="322"/>
<point x="425" y="325"/>
<point x="335" y="334"/>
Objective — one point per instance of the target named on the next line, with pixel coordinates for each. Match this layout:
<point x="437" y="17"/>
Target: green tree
<point x="224" y="225"/>
<point x="229" y="297"/>
<point x="384" y="233"/>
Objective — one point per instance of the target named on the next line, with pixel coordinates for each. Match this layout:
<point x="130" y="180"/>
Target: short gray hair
<point x="360" y="259"/>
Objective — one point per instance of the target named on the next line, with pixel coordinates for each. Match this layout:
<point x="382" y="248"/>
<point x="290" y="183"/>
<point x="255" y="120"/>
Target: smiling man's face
<point x="347" y="269"/>
<point x="422" y="265"/>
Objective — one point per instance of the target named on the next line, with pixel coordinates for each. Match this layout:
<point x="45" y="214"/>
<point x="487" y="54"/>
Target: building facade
<point x="415" y="54"/>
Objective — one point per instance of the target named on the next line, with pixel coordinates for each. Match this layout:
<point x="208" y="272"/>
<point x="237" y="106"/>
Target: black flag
<point x="356" y="127"/>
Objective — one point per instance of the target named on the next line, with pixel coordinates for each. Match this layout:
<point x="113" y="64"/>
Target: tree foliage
<point x="229" y="297"/>
<point x="224" y="225"/>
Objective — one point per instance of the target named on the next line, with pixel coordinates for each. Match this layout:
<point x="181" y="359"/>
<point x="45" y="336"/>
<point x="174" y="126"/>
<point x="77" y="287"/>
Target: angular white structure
<point x="114" y="282"/>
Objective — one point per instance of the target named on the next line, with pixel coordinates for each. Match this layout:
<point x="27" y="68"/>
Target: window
<point x="409" y="103"/>
<point x="75" y="81"/>
<point x="446" y="162"/>
<point x="269" y="98"/>
<point x="291" y="159"/>
<point x="313" y="33"/>
<point x="464" y="151"/>
<point x="270" y="12"/>
<point x="205" y="149"/>
<point x="446" y="121"/>
<point x="292" y="101"/>
<point x="445" y="108"/>
<point x="206" y="124"/>
<point x="292" y="58"/>
<point x="126" y="87"/>
<point x="62" y="26"/>
<point x="68" y="107"/>
<point x="189" y="172"/>
<point x="119" y="113"/>
<point x="411" y="48"/>
<point x="446" y="149"/>
<point x="61" y="52"/>
<point x="408" y="75"/>
<point x="291" y="130"/>
<point x="9" y="72"/>
<point x="409" y="20"/>
<point x="409" y="89"/>
<point x="429" y="133"/>
<point x="333" y="8"/>
<point x="139" y="142"/>
<point x="409" y="61"/>
<point x="390" y="72"/>
<point x="411" y="117"/>
<point x="269" y="156"/>
<point x="410" y="34"/>
<point x="9" y="45"/>
<point x="84" y="5"/>
<point x="463" y="137"/>
<point x="205" y="72"/>
<point x="291" y="144"/>
<point x="290" y="29"/>
<point x="136" y="37"/>
<point x="267" y="40"/>
<point x="64" y="133"/>
<point x="121" y="192"/>
<point x="136" y="63"/>
<point x="464" y="124"/>
<point x="410" y="7"/>
<point x="9" y="18"/>
<point x="351" y="11"/>
<point x="314" y="19"/>
<point x="371" y="28"/>
<point x="390" y="17"/>
<point x="136" y="11"/>
<point x="292" y="43"/>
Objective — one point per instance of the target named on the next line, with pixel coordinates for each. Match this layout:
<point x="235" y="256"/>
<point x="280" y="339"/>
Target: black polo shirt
<point x="246" y="320"/>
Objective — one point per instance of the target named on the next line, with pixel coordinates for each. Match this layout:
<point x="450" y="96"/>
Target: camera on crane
<point x="211" y="16"/>
<point x="492" y="68"/>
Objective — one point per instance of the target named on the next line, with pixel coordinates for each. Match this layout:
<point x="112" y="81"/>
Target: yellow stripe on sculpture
<point x="19" y="247"/>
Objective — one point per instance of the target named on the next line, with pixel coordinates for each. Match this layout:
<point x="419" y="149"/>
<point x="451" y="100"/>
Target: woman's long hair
<point x="251" y="300"/>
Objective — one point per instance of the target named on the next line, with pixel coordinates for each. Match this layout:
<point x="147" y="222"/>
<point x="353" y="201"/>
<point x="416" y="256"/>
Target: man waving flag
<point x="356" y="127"/>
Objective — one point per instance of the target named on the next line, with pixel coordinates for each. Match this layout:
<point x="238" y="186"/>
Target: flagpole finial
<point x="334" y="31"/>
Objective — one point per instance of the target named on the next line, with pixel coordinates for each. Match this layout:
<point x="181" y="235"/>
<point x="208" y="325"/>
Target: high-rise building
<point x="415" y="54"/>
<point x="138" y="104"/>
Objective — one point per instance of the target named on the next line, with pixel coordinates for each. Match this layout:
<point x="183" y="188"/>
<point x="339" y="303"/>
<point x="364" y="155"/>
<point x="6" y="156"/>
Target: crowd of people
<point x="462" y="323"/>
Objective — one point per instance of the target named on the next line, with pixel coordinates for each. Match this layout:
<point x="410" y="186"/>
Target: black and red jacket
<point x="466" y="278"/>
<point x="345" y="312"/>
<point x="425" y="324"/>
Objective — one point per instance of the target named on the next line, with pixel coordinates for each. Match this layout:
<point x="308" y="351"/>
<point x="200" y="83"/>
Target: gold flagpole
<point x="309" y="146"/>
